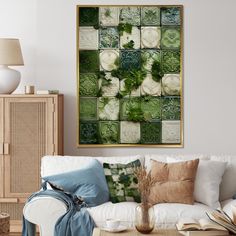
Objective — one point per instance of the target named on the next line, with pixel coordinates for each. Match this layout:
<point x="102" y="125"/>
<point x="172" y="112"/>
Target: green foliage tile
<point x="130" y="108"/>
<point x="150" y="16"/>
<point x="88" y="108"/>
<point x="109" y="37"/>
<point x="130" y="59"/>
<point x="109" y="132"/>
<point x="88" y="84"/>
<point x="148" y="57"/>
<point x="88" y="16"/>
<point x="170" y="38"/>
<point x="171" y="108"/>
<point x="88" y="61"/>
<point x="130" y="15"/>
<point x="88" y="133"/>
<point x="170" y="16"/>
<point x="170" y="62"/>
<point x="151" y="132"/>
<point x="151" y="107"/>
<point x="108" y="108"/>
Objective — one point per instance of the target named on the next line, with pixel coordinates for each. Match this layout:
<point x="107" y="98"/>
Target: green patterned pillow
<point x="122" y="182"/>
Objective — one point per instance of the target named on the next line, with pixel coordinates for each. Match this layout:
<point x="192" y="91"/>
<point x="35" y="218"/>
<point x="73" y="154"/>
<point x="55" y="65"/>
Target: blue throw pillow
<point x="88" y="183"/>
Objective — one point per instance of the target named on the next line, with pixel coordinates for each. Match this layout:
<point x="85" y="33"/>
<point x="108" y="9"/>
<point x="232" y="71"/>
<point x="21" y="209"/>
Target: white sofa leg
<point x="44" y="212"/>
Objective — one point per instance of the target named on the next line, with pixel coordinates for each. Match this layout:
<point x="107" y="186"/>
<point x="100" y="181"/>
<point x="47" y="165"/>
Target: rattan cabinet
<point x="31" y="126"/>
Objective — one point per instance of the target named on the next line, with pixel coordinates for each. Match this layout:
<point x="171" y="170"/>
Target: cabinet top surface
<point x="29" y="95"/>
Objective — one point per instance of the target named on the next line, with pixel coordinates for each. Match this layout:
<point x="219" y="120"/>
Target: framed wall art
<point x="129" y="75"/>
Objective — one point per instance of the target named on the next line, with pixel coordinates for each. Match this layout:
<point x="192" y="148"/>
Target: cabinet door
<point x="28" y="136"/>
<point x="1" y="149"/>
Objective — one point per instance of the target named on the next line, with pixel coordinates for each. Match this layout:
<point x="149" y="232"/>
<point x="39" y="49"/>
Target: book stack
<point x="202" y="227"/>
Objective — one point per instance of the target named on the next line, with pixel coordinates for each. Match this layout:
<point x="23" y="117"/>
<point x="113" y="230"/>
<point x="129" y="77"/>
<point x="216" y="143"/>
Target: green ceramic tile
<point x="109" y="37"/>
<point x="88" y="16"/>
<point x="130" y="59"/>
<point x="130" y="15"/>
<point x="88" y="133"/>
<point x="88" y="108"/>
<point x="88" y="84"/>
<point x="108" y="108"/>
<point x="128" y="105"/>
<point x="151" y="132"/>
<point x="170" y="38"/>
<point x="151" y="107"/>
<point x="88" y="61"/>
<point x="148" y="57"/>
<point x="109" y="132"/>
<point x="170" y="62"/>
<point x="171" y="108"/>
<point x="170" y="16"/>
<point x="150" y="16"/>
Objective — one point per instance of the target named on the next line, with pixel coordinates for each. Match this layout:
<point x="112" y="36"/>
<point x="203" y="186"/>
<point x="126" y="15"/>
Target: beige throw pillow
<point x="174" y="182"/>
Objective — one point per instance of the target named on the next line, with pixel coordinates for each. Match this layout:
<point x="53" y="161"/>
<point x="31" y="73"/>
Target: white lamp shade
<point x="10" y="52"/>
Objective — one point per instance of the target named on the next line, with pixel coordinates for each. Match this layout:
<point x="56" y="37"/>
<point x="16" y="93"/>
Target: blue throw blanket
<point x="75" y="222"/>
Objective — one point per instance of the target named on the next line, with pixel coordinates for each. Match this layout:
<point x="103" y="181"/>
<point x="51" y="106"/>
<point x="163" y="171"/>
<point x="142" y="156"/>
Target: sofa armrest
<point x="44" y="212"/>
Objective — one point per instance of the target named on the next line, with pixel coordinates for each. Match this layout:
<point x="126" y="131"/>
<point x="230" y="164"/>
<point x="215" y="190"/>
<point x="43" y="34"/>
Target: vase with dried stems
<point x="144" y="215"/>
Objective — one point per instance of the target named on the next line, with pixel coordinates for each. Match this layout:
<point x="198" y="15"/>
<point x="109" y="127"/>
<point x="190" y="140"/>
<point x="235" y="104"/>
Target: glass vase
<point x="144" y="218"/>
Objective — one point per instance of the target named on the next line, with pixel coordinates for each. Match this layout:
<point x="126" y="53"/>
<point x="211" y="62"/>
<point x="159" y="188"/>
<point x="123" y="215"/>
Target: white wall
<point x="47" y="29"/>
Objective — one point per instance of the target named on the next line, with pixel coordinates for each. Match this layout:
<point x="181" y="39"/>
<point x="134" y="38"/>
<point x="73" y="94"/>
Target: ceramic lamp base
<point x="9" y="80"/>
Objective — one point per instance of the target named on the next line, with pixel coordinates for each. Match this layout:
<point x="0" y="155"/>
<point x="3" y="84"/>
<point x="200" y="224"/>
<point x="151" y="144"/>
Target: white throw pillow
<point x="228" y="185"/>
<point x="207" y="181"/>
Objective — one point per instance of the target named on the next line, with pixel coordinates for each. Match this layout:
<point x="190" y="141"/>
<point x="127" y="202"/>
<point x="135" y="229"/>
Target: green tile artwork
<point x="130" y="75"/>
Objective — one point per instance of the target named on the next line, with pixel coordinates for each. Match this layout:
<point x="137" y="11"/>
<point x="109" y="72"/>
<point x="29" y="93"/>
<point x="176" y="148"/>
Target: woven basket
<point x="4" y="223"/>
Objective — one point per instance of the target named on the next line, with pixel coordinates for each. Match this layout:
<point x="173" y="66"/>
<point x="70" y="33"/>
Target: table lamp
<point x="10" y="55"/>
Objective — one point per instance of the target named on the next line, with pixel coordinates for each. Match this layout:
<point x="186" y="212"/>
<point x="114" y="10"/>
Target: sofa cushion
<point x="167" y="214"/>
<point x="228" y="186"/>
<point x="51" y="165"/>
<point x="174" y="182"/>
<point x="163" y="158"/>
<point x="207" y="182"/>
<point x="88" y="183"/>
<point x="122" y="182"/>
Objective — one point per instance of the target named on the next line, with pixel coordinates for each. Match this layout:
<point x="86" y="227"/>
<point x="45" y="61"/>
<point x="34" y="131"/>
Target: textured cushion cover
<point x="88" y="183"/>
<point x="228" y="185"/>
<point x="122" y="182"/>
<point x="174" y="182"/>
<point x="207" y="182"/>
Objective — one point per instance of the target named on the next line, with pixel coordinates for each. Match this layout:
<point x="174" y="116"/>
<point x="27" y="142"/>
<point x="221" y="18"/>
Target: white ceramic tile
<point x="88" y="38"/>
<point x="150" y="87"/>
<point x="170" y="131"/>
<point x="109" y="16"/>
<point x="129" y="132"/>
<point x="135" y="36"/>
<point x="171" y="84"/>
<point x="108" y="59"/>
<point x="110" y="111"/>
<point x="150" y="37"/>
<point x="113" y="88"/>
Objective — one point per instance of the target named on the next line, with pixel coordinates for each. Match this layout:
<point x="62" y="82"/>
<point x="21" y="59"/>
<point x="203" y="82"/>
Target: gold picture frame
<point x="85" y="100"/>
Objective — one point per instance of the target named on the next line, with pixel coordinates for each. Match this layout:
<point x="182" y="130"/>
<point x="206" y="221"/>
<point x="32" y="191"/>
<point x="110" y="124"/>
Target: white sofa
<point x="45" y="211"/>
